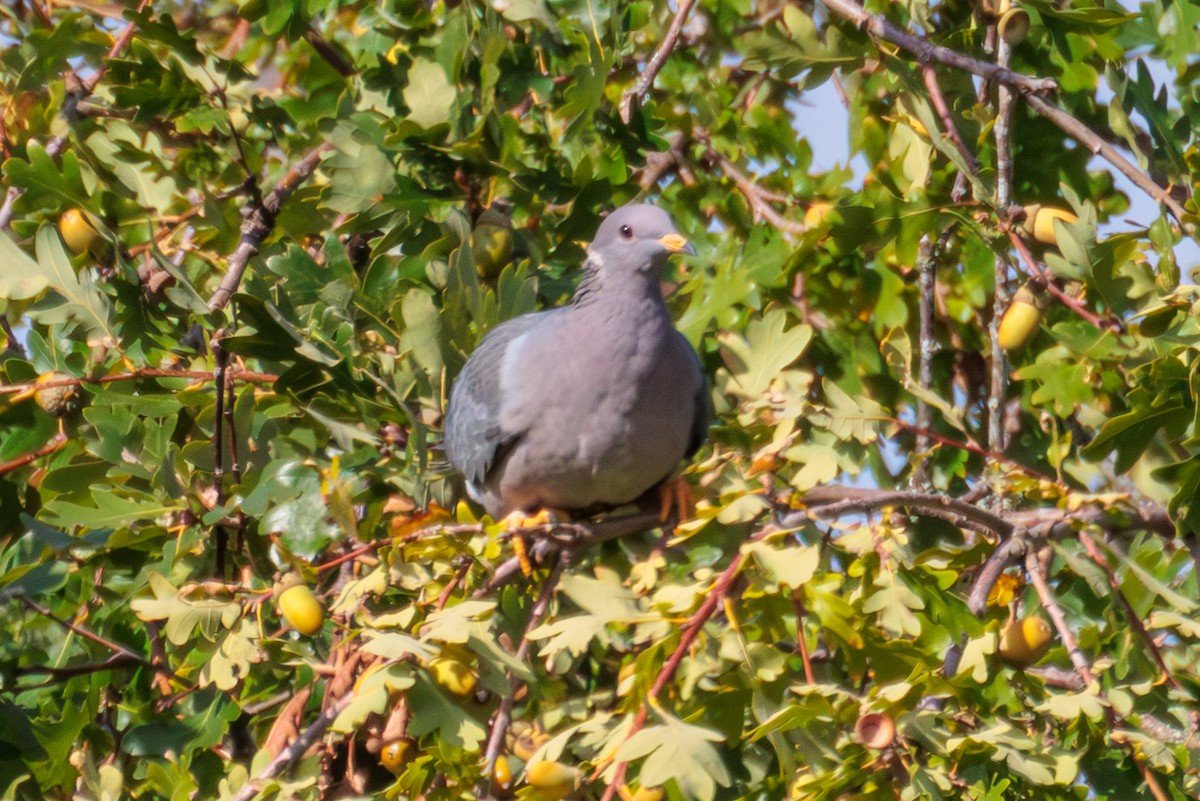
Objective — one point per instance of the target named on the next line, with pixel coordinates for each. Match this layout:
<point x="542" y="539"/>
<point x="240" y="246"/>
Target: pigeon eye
<point x="626" y="232"/>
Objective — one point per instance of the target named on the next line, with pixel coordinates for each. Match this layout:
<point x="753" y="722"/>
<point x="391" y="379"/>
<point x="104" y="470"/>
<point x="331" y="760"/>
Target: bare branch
<point x="333" y="57"/>
<point x="834" y="500"/>
<point x="721" y="590"/>
<point x="755" y="195"/>
<point x="1030" y="88"/>
<point x="981" y="587"/>
<point x="880" y="28"/>
<point x="294" y="750"/>
<point x="260" y="221"/>
<point x="503" y="717"/>
<point x="656" y="61"/>
<point x="926" y="267"/>
<point x="1002" y="295"/>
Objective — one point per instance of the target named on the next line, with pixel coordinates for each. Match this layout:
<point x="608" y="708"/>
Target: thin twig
<point x="656" y="62"/>
<point x="998" y="387"/>
<point x="981" y="587"/>
<point x="294" y="749"/>
<point x="801" y="641"/>
<point x="1092" y="141"/>
<point x="1042" y="278"/>
<point x="116" y="648"/>
<point x="503" y="717"/>
<point x="971" y="446"/>
<point x="333" y="57"/>
<point x="833" y="500"/>
<point x="1131" y="614"/>
<point x="755" y="195"/>
<point x="234" y="374"/>
<point x="720" y="591"/>
<point x="53" y="444"/>
<point x="1038" y="577"/>
<point x="260" y="221"/>
<point x="1030" y="88"/>
<point x="943" y="111"/>
<point x="926" y="267"/>
<point x="880" y="28"/>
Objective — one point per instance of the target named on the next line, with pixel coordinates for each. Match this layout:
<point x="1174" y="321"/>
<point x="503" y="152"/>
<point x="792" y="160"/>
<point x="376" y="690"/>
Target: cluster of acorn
<point x="300" y="608"/>
<point x="1024" y="315"/>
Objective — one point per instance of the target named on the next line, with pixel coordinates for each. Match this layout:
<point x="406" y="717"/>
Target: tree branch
<point x="1030" y="88"/>
<point x="756" y="196"/>
<point x="85" y="88"/>
<point x="880" y="28"/>
<point x="722" y="589"/>
<point x="260" y="221"/>
<point x="639" y="90"/>
<point x="503" y="717"/>
<point x="288" y="756"/>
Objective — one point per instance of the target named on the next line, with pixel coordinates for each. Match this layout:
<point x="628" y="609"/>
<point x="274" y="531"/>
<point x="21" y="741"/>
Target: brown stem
<point x="333" y="57"/>
<point x="116" y="648"/>
<point x="294" y="750"/>
<point x="261" y="221"/>
<point x="1031" y="90"/>
<point x="1042" y="278"/>
<point x="926" y="266"/>
<point x="801" y="640"/>
<point x="55" y="443"/>
<point x="235" y="374"/>
<point x="1002" y="296"/>
<point x="1034" y="567"/>
<point x="656" y="61"/>
<point x="832" y="500"/>
<point x="715" y="597"/>
<point x="755" y="195"/>
<point x="943" y="111"/>
<point x="503" y="718"/>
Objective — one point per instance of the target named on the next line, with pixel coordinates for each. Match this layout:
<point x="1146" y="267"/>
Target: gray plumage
<point x="591" y="404"/>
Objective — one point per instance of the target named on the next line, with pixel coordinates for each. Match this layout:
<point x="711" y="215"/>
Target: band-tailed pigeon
<point x="591" y="404"/>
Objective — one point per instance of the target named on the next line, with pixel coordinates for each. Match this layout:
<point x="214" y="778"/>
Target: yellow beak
<point x="675" y="243"/>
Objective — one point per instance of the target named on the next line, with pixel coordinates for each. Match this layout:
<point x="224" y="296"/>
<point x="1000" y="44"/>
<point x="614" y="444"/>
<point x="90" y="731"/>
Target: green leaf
<point x="768" y="346"/>
<point x="681" y="752"/>
<point x="429" y="94"/>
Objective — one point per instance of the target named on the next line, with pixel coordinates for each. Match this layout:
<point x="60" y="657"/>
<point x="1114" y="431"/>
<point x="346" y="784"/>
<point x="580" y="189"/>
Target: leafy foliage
<point x="342" y="154"/>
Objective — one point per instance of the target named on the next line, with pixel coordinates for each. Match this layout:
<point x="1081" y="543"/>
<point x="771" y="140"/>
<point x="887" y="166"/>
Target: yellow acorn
<point x="1025" y="641"/>
<point x="1039" y="222"/>
<point x="391" y="756"/>
<point x="77" y="230"/>
<point x="453" y="675"/>
<point x="502" y="773"/>
<point x="301" y="609"/>
<point x="816" y="213"/>
<point x="554" y="779"/>
<point x="648" y="794"/>
<point x="1020" y="322"/>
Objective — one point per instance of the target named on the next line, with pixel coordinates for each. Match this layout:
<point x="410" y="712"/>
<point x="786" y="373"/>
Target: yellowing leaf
<point x="429" y="94"/>
<point x="679" y="751"/>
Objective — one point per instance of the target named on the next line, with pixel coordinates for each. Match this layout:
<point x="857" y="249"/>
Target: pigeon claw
<point x="519" y="522"/>
<point x="675" y="501"/>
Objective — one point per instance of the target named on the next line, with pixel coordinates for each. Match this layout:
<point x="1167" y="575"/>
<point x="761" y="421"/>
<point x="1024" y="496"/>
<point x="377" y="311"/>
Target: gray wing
<point x="473" y="434"/>
<point x="703" y="412"/>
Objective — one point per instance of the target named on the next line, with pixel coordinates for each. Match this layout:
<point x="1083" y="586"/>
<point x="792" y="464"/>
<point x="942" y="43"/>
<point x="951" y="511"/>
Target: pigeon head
<point x="638" y="236"/>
